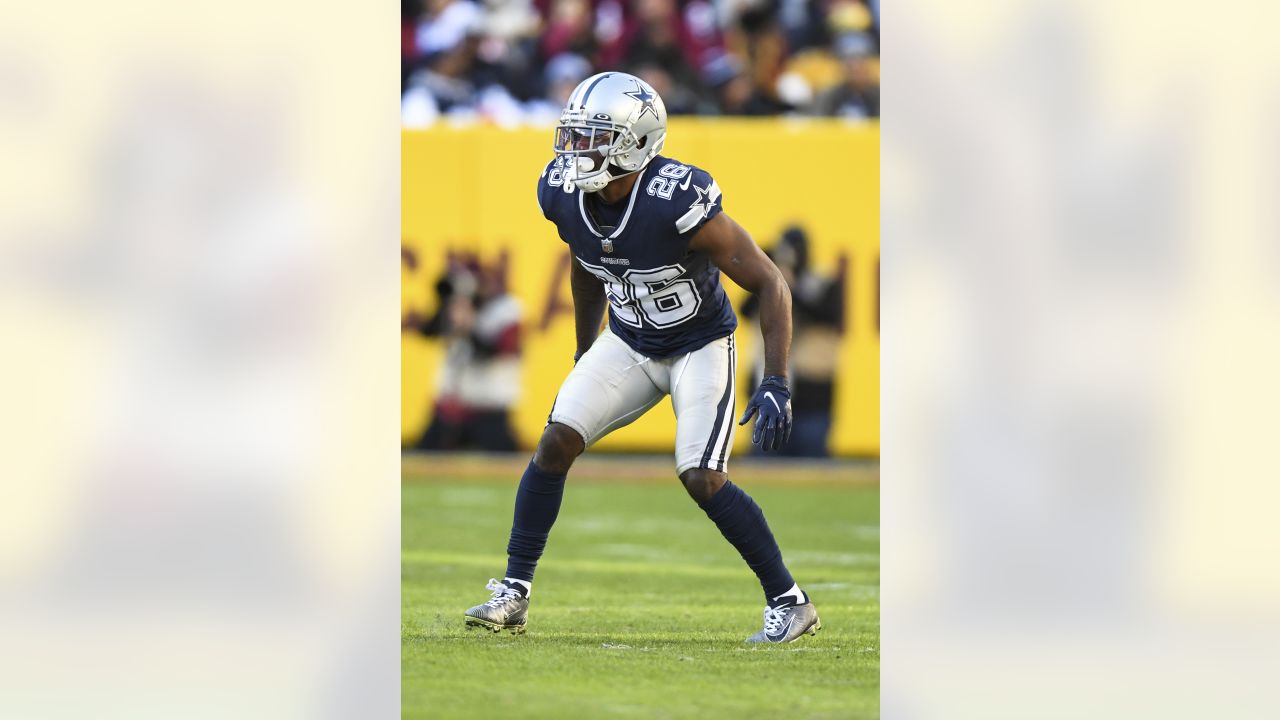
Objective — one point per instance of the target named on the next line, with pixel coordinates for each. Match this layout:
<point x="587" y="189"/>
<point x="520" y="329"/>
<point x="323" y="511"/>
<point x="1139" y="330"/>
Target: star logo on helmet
<point x="646" y="99"/>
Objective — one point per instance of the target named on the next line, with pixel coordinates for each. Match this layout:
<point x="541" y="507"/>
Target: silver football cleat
<point x="508" y="609"/>
<point x="786" y="623"/>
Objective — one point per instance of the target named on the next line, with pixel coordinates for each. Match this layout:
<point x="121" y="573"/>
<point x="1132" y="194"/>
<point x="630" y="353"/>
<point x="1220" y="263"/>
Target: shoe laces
<point x="774" y="618"/>
<point x="502" y="593"/>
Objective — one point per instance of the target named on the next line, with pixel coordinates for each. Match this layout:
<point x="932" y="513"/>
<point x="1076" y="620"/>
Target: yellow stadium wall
<point x="473" y="189"/>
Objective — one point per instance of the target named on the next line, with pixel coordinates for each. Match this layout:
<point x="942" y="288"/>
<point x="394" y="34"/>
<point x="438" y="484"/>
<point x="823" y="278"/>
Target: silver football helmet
<point x="612" y="126"/>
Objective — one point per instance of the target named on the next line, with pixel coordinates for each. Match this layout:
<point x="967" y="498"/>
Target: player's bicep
<point x="734" y="252"/>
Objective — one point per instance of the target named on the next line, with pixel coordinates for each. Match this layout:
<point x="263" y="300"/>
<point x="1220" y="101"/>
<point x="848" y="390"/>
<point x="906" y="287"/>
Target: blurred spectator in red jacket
<point x="479" y="379"/>
<point x="568" y="29"/>
<point x="664" y="33"/>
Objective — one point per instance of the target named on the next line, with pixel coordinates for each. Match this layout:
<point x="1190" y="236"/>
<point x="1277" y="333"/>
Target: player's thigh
<point x="607" y="389"/>
<point x="702" y="394"/>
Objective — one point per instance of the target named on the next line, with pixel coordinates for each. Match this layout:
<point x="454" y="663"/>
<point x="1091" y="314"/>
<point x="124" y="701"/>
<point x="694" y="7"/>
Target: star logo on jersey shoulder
<point x="646" y="99"/>
<point x="704" y="201"/>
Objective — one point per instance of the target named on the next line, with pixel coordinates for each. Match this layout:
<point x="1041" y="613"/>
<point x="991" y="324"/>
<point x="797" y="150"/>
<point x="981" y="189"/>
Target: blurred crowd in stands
<point x="513" y="62"/>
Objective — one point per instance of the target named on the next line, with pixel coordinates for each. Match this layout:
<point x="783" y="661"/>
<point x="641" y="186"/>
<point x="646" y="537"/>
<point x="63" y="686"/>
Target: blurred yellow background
<point x="473" y="189"/>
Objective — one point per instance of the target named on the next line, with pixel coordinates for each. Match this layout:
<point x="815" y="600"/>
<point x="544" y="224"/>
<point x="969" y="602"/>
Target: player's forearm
<point x="588" y="309"/>
<point x="775" y="325"/>
<point x="587" y="319"/>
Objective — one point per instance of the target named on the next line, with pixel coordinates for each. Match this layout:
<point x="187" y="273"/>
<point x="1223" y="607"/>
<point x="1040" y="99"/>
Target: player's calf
<point x="742" y="523"/>
<point x="538" y="500"/>
<point x="537" y="505"/>
<point x="789" y="613"/>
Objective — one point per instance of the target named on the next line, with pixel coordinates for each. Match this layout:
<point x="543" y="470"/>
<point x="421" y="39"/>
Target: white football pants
<point x="612" y="385"/>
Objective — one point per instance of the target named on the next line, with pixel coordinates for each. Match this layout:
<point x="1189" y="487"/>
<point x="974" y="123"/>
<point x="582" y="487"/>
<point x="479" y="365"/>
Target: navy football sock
<point x="742" y="523"/>
<point x="537" y="504"/>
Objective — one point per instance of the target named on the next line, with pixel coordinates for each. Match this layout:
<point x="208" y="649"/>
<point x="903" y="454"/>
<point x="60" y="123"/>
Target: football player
<point x="649" y="239"/>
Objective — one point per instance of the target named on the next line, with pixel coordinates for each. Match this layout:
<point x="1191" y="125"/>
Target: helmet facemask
<point x="590" y="148"/>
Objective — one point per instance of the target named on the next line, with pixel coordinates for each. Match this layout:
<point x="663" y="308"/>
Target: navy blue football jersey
<point x="664" y="299"/>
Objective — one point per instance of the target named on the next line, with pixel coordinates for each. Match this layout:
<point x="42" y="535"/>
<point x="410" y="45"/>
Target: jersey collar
<point x="622" y="224"/>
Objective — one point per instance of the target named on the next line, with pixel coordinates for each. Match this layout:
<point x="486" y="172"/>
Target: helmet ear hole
<point x="643" y="141"/>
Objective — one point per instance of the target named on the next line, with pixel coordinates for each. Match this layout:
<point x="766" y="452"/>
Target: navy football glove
<point x="773" y="401"/>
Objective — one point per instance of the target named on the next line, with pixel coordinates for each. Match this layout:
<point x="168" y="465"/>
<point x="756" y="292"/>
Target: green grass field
<point x="640" y="606"/>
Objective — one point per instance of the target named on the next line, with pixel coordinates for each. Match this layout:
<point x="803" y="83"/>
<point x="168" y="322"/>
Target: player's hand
<point x="773" y="401"/>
